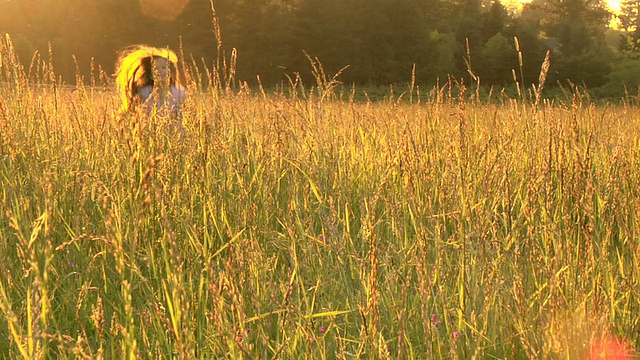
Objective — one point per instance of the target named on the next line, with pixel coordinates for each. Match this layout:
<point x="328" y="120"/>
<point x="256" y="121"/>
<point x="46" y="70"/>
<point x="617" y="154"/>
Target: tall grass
<point x="306" y="227"/>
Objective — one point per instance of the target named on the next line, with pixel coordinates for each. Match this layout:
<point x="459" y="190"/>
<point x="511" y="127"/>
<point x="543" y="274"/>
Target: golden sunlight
<point x="613" y="4"/>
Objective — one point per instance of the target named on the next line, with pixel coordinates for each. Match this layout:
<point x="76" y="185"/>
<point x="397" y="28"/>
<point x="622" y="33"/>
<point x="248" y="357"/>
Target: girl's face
<point x="162" y="68"/>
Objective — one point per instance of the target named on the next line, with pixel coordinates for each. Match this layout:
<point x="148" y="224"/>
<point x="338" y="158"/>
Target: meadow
<point x="302" y="224"/>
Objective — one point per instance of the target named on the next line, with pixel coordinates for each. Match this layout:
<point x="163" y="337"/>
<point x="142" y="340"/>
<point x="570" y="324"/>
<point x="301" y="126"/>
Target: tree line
<point x="380" y="40"/>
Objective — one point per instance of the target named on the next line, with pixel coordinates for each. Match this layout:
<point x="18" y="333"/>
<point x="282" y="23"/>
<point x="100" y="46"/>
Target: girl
<point x="148" y="76"/>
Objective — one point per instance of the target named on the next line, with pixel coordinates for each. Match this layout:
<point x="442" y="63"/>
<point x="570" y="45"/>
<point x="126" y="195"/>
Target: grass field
<point x="293" y="226"/>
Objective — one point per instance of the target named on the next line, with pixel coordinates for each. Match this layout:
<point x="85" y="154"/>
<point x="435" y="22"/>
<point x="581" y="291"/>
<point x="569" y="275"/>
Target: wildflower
<point x="435" y="321"/>
<point x="456" y="334"/>
<point x="321" y="329"/>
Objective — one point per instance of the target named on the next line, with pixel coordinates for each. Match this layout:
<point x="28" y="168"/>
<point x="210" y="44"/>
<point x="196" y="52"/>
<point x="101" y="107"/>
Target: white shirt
<point x="168" y="101"/>
<point x="168" y="104"/>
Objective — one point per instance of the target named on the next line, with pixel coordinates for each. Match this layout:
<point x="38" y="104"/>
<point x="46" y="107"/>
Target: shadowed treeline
<point x="481" y="41"/>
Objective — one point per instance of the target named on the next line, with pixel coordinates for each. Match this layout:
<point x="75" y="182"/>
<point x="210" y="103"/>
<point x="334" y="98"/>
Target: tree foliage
<point x="630" y="24"/>
<point x="575" y="30"/>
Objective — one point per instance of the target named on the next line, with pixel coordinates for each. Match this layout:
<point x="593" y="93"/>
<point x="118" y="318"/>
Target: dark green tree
<point x="495" y="19"/>
<point x="532" y="48"/>
<point x="499" y="58"/>
<point x="498" y="55"/>
<point x="579" y="27"/>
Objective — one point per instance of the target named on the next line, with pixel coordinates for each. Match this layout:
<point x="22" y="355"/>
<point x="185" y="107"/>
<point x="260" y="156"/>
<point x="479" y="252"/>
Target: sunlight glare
<point x="167" y="10"/>
<point x="614" y="5"/>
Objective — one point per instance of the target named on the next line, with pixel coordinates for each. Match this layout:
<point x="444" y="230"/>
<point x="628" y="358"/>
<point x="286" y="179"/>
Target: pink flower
<point x="456" y="334"/>
<point x="321" y="329"/>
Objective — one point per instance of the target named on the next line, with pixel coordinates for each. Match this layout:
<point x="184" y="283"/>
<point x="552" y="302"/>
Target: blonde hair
<point x="134" y="70"/>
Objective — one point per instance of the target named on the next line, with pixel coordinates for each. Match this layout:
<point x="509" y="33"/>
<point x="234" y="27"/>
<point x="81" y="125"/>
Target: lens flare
<point x="167" y="10"/>
<point x="611" y="349"/>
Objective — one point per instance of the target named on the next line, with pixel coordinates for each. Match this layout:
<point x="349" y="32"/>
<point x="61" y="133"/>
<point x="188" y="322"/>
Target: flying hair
<point x="134" y="70"/>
